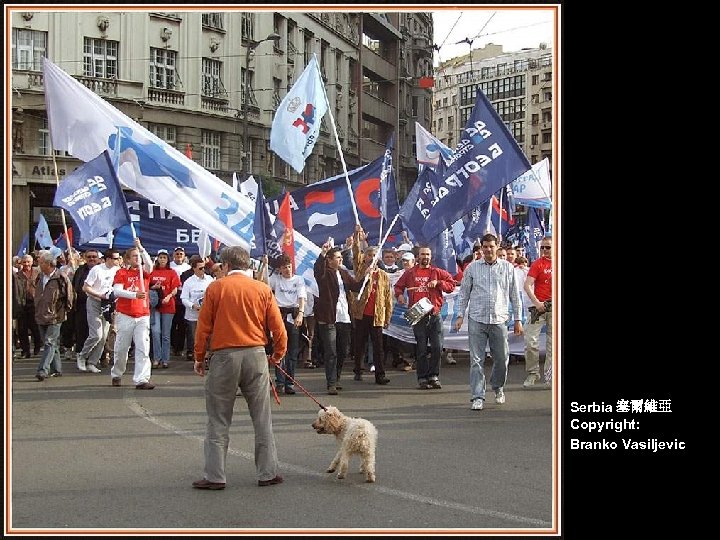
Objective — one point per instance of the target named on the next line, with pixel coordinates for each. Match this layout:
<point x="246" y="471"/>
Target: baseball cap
<point x="180" y="248"/>
<point x="165" y="251"/>
<point x="404" y="247"/>
<point x="408" y="256"/>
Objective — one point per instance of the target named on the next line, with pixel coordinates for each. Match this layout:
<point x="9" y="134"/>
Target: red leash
<point x="300" y="386"/>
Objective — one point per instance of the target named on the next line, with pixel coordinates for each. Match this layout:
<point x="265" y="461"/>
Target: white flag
<point x="428" y="148"/>
<point x="296" y="126"/>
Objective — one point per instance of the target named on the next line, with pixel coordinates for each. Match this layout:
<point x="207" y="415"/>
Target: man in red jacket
<point x="426" y="281"/>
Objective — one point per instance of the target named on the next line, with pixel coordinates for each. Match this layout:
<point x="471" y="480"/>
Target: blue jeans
<point x="288" y="362"/>
<point x="160" y="326"/>
<point x="428" y="328"/>
<point x="50" y="336"/>
<point x="479" y="335"/>
<point x="336" y="348"/>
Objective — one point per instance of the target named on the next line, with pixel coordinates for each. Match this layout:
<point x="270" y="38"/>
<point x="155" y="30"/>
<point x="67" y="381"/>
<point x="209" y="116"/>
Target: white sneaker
<point x="81" y="363"/>
<point x="449" y="360"/>
<point x="92" y="369"/>
<point x="499" y="396"/>
<point x="531" y="380"/>
<point x="372" y="368"/>
<point x="477" y="404"/>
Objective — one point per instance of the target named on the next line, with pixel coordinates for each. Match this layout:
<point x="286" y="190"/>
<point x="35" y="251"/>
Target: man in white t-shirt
<point x="193" y="292"/>
<point x="97" y="287"/>
<point x="290" y="293"/>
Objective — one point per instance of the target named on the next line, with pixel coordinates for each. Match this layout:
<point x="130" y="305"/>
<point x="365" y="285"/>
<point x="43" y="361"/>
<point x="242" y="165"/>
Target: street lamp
<point x="251" y="46"/>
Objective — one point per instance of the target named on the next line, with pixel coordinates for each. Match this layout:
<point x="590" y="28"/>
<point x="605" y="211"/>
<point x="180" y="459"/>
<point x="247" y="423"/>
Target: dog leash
<point x="300" y="386"/>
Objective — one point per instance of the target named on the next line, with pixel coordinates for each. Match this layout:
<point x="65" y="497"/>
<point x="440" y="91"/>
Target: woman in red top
<point x="165" y="282"/>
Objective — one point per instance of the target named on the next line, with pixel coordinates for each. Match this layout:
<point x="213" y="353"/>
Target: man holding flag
<point x="132" y="317"/>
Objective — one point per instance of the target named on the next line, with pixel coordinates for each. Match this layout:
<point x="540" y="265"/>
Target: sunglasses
<point x="116" y="258"/>
<point x="545" y="247"/>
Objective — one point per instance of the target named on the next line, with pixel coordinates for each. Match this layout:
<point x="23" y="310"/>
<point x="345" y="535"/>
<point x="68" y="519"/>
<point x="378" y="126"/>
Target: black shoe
<point x="358" y="377"/>
<point x="36" y="352"/>
<point x="338" y="386"/>
<point x="40" y="376"/>
<point x="289" y="390"/>
<point x="382" y="379"/>
<point x="277" y="480"/>
<point x="26" y="355"/>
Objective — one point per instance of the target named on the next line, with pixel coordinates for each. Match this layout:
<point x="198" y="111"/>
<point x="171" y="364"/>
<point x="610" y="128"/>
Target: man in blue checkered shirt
<point x="488" y="287"/>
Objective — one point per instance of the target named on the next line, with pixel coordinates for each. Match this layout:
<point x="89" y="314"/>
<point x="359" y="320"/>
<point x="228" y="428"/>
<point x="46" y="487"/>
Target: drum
<point x="418" y="310"/>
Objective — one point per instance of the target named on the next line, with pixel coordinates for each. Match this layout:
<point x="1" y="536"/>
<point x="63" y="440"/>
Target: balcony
<point x="375" y="107"/>
<point x="166" y="97"/>
<point x="546" y="125"/>
<point x="214" y="104"/>
<point x="101" y="86"/>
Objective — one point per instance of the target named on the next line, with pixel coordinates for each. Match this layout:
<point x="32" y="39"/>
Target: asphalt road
<point x="90" y="457"/>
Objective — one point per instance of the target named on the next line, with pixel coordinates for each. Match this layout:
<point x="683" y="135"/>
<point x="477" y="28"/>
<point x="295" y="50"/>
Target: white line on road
<point x="530" y="522"/>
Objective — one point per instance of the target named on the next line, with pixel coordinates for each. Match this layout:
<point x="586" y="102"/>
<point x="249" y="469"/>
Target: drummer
<point x="426" y="281"/>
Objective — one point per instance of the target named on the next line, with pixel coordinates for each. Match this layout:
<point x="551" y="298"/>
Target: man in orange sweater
<point x="231" y="326"/>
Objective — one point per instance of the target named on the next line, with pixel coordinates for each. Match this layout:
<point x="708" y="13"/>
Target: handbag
<point x="154" y="298"/>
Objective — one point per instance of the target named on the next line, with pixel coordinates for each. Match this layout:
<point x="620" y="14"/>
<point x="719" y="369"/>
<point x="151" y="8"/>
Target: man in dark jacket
<point x="332" y="312"/>
<point x="53" y="300"/>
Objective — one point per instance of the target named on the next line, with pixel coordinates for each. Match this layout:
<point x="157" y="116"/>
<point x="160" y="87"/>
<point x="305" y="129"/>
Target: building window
<point x="211" y="149"/>
<point x="501" y="69"/>
<point x="165" y="132"/>
<point x="535" y="98"/>
<point x="414" y="106"/>
<point x="248" y="27"/>
<point x="547" y="76"/>
<point x="518" y="131"/>
<point x="250" y="86"/>
<point x="213" y="20"/>
<point x="484" y="72"/>
<point x="212" y="85"/>
<point x="451" y="125"/>
<point x="162" y="68"/>
<point x="308" y="50"/>
<point x="547" y="96"/>
<point x="546" y="116"/>
<point x="440" y="124"/>
<point x="547" y="137"/>
<point x="28" y="49"/>
<point x="535" y="79"/>
<point x="534" y="139"/>
<point x="338" y="66"/>
<point x="535" y="119"/>
<point x="44" y="146"/>
<point x="100" y="58"/>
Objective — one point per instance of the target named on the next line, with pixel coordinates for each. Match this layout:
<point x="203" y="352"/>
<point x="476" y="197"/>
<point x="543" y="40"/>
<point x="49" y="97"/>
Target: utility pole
<point x="251" y="46"/>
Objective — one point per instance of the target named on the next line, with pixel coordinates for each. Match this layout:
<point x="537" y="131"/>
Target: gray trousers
<point x="98" y="329"/>
<point x="246" y="367"/>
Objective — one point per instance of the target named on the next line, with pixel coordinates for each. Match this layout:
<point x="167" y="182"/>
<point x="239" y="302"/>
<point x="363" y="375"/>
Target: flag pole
<point x="62" y="211"/>
<point x="337" y="140"/>
<point x="377" y="253"/>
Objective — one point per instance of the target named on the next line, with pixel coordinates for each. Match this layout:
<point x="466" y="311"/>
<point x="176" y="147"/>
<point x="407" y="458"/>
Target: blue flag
<point x="296" y="125"/>
<point x="265" y="242"/>
<point x="536" y="232"/>
<point x="93" y="197"/>
<point x="412" y="215"/>
<point x="385" y="177"/>
<point x="24" y="245"/>
<point x="487" y="159"/>
<point x="323" y="209"/>
<point x="42" y="233"/>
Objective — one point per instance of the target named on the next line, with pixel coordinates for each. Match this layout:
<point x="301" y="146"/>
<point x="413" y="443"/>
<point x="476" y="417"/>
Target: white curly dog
<point x="355" y="436"/>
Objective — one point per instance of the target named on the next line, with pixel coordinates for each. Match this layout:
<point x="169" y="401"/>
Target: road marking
<point x="529" y="522"/>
